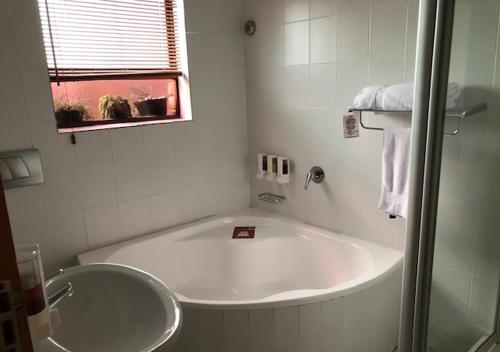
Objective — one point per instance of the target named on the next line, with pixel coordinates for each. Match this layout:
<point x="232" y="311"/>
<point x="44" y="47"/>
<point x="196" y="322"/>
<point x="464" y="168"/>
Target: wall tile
<point x="237" y="330"/>
<point x="164" y="210"/>
<point x="25" y="209"/>
<point x="29" y="41"/>
<point x="323" y="8"/>
<point x="352" y="76"/>
<point x="454" y="240"/>
<point x="296" y="10"/>
<point x="332" y="312"/>
<point x="296" y="86"/>
<point x="135" y="216"/>
<point x="66" y="236"/>
<point x="212" y="330"/>
<point x="297" y="43"/>
<point x="386" y="71"/>
<point x="267" y="12"/>
<point x="55" y="149"/>
<point x="38" y="98"/>
<point x="216" y="15"/>
<point x="265" y="48"/>
<point x="353" y="30"/>
<point x="450" y="292"/>
<point x="322" y="87"/>
<point x="381" y="47"/>
<point x="60" y="190"/>
<point x="483" y="303"/>
<point x="13" y="98"/>
<point x="98" y="185"/>
<point x="323" y="40"/>
<point x="103" y="225"/>
<point x="132" y="178"/>
<point x="15" y="136"/>
<point x="127" y="142"/>
<point x="286" y="329"/>
<point x="159" y="139"/>
<point x="262" y="330"/>
<point x="310" y="327"/>
<point x="189" y="336"/>
<point x="9" y="58"/>
<point x="94" y="148"/>
<point x="160" y="173"/>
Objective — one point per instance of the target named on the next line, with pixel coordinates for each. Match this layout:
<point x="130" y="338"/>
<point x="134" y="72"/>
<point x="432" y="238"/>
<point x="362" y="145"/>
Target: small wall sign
<point x="244" y="232"/>
<point x="351" y="126"/>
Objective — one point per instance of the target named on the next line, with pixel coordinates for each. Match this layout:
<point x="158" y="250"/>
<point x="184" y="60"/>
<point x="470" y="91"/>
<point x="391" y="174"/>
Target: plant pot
<point x="120" y="111"/>
<point x="69" y="116"/>
<point x="152" y="107"/>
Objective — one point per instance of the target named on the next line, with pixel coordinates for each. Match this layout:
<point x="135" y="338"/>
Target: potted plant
<point x="67" y="113"/>
<point x="114" y="107"/>
<point x="150" y="106"/>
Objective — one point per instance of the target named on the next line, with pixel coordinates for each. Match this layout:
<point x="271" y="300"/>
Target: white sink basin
<point x="114" y="308"/>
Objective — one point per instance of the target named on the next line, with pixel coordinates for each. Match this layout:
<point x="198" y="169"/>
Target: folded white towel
<point x="399" y="97"/>
<point x="395" y="167"/>
<point x="367" y="98"/>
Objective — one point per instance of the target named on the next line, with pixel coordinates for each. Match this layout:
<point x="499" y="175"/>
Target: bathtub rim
<point x="384" y="267"/>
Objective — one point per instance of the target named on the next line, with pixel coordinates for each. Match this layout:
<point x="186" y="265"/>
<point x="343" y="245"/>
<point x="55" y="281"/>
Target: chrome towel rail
<point x="459" y="115"/>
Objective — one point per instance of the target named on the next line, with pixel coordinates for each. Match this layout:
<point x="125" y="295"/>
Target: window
<point x="114" y="61"/>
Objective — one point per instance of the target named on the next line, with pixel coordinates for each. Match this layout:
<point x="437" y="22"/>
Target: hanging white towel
<point x="395" y="165"/>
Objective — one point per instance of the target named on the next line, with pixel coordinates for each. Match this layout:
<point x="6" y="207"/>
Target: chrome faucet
<point x="316" y="174"/>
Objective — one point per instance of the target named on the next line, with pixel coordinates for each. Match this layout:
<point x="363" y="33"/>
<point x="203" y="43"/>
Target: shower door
<point x="452" y="259"/>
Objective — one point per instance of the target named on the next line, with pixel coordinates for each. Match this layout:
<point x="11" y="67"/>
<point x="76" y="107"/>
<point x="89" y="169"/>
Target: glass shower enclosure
<point x="452" y="260"/>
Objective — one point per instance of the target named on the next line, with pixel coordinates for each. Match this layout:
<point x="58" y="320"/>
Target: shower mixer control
<point x="316" y="174"/>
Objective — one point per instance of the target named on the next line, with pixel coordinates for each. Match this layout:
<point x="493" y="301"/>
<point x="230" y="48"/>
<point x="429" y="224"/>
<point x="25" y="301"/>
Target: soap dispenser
<point x="272" y="167"/>
<point x="32" y="278"/>
<point x="283" y="170"/>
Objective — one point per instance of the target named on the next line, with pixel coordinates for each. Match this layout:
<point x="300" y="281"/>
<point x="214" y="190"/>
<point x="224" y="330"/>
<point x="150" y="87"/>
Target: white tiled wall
<point x="349" y="323"/>
<point x="125" y="182"/>
<point x="304" y="65"/>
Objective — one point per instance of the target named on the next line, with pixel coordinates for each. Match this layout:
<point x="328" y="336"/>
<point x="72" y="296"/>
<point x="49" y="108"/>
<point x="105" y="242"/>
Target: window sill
<point x="84" y="126"/>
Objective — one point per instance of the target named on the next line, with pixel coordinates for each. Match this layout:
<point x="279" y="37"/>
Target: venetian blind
<point x="93" y="39"/>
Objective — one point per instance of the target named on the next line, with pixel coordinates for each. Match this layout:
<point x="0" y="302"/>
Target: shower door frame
<point x="434" y="40"/>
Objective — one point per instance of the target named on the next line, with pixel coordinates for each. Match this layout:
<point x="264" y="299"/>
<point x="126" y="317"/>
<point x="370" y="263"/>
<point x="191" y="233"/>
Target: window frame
<point x="173" y="36"/>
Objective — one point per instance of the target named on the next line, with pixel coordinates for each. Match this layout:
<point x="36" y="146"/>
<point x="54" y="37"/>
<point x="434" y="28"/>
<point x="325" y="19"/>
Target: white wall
<point x="304" y="65"/>
<point x="121" y="183"/>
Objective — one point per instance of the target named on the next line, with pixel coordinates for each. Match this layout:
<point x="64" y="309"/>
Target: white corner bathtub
<point x="293" y="287"/>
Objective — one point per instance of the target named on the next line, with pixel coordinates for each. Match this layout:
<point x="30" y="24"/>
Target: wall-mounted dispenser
<point x="272" y="167"/>
<point x="40" y="316"/>
<point x="261" y="166"/>
<point x="283" y="170"/>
